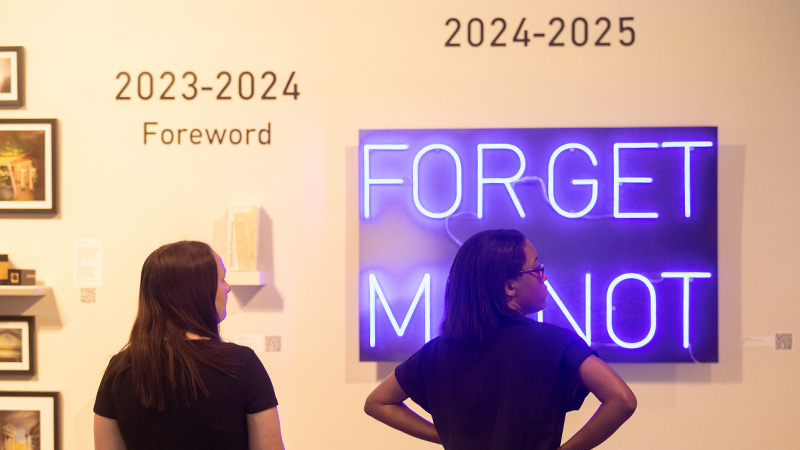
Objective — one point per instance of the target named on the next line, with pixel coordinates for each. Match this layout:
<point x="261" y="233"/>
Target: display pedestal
<point x="256" y="278"/>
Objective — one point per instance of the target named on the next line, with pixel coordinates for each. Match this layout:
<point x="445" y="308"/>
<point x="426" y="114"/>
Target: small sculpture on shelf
<point x="3" y="269"/>
<point x="15" y="277"/>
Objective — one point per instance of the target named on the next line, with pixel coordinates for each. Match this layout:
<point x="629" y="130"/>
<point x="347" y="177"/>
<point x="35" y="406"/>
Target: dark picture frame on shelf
<point x="12" y="79"/>
<point x="28" y="171"/>
<point x="31" y="419"/>
<point x="17" y="345"/>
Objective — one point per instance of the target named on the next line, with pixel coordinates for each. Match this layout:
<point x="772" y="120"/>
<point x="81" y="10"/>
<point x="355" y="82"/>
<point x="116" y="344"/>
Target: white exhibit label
<point x="88" y="262"/>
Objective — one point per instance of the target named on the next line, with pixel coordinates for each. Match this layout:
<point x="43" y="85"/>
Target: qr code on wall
<point x="88" y="295"/>
<point x="783" y="341"/>
<point x="272" y="343"/>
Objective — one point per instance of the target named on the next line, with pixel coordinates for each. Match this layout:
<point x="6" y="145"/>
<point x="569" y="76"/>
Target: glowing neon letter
<point x="687" y="186"/>
<point x="587" y="336"/>
<point x="687" y="277"/>
<point x="610" y="310"/>
<point x="370" y="181"/>
<point x="415" y="178"/>
<point x="579" y="182"/>
<point x="375" y="289"/>
<point x="505" y="181"/>
<point x="618" y="180"/>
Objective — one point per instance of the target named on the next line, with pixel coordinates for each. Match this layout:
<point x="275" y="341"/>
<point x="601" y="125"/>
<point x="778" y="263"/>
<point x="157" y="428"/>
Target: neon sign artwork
<point x="624" y="218"/>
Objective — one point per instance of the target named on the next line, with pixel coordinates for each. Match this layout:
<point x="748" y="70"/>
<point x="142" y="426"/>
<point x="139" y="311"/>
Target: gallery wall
<point x="121" y="179"/>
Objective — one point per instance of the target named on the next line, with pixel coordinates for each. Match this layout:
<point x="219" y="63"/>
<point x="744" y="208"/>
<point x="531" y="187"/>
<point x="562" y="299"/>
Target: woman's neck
<point x="192" y="336"/>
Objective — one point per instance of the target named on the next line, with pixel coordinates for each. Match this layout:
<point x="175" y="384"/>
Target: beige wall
<point x="363" y="64"/>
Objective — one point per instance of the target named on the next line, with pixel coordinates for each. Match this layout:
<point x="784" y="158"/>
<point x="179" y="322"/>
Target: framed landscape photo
<point x="12" y="82"/>
<point x="17" y="345"/>
<point x="30" y="420"/>
<point x="27" y="166"/>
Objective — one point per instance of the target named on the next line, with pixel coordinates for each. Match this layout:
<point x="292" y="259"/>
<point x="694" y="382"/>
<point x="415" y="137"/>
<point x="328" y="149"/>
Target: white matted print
<point x="27" y="165"/>
<point x="11" y="77"/>
<point x="30" y="420"/>
<point x="17" y="355"/>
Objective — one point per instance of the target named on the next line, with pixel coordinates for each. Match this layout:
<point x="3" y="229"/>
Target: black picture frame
<point x="12" y="77"/>
<point x="17" y="345"/>
<point x="28" y="166"/>
<point x="33" y="417"/>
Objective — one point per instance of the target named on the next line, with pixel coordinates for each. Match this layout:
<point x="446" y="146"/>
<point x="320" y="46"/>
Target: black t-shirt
<point x="213" y="423"/>
<point x="509" y="393"/>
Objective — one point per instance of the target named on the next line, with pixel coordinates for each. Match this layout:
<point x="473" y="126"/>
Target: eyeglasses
<point x="538" y="270"/>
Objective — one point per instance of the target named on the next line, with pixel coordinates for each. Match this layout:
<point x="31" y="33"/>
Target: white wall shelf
<point x="24" y="291"/>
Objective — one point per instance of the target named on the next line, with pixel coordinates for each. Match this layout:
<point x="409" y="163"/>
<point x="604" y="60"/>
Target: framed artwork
<point x="28" y="166"/>
<point x="30" y="420"/>
<point x="17" y="349"/>
<point x="12" y="82"/>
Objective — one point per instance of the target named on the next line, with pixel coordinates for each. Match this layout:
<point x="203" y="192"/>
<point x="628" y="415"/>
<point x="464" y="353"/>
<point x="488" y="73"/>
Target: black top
<point x="509" y="393"/>
<point x="213" y="423"/>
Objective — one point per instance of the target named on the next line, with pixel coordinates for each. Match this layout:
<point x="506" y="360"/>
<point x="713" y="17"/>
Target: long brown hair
<point x="177" y="295"/>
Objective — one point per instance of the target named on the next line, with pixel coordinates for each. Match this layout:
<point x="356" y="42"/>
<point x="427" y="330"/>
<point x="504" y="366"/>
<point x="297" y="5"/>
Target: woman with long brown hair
<point x="176" y="384"/>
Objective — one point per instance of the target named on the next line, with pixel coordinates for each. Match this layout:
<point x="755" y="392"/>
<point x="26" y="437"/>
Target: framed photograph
<point x="17" y="349"/>
<point x="12" y="82"/>
<point x="27" y="166"/>
<point x="29" y="420"/>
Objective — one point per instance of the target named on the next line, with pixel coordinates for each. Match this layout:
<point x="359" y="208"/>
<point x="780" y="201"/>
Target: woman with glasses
<point x="176" y="385"/>
<point x="494" y="379"/>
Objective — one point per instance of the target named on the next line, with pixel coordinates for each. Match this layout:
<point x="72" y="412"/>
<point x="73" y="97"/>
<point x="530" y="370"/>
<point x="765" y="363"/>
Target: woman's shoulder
<point x="230" y="349"/>
<point x="223" y="345"/>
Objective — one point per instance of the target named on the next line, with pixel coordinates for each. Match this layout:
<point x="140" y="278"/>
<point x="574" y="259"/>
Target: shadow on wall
<point x="45" y="309"/>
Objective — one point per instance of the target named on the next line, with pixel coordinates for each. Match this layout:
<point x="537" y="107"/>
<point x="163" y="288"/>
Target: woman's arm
<point x="617" y="404"/>
<point x="385" y="404"/>
<point x="106" y="434"/>
<point x="264" y="430"/>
